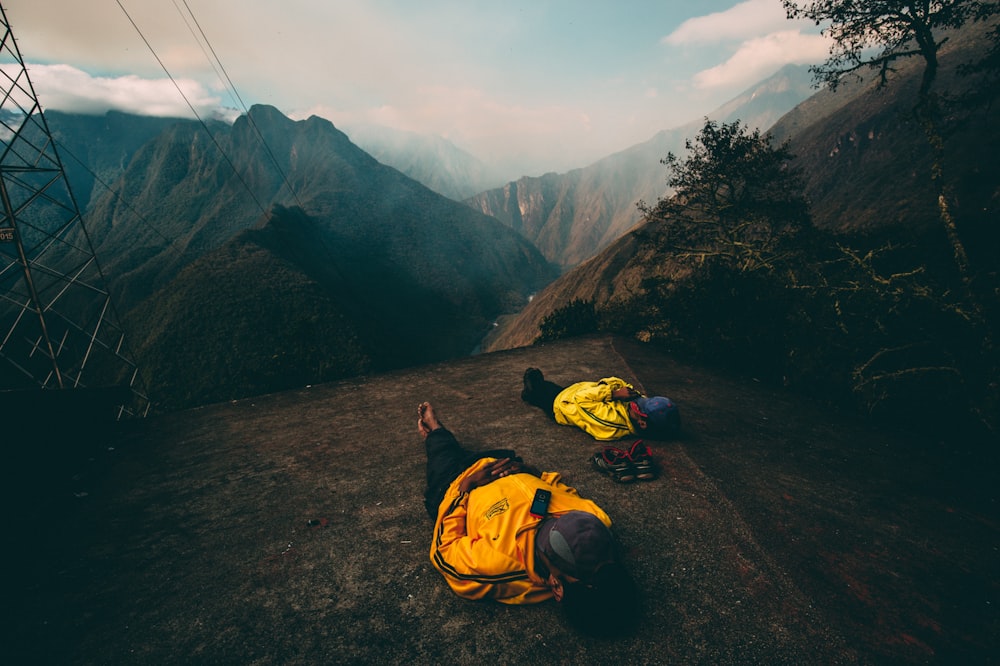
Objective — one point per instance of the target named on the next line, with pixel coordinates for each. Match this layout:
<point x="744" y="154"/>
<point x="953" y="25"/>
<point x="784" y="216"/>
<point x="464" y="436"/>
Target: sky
<point x="536" y="85"/>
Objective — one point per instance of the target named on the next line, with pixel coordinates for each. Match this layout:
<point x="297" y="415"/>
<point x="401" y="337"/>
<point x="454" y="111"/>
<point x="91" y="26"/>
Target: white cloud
<point x="473" y="118"/>
<point x="470" y="116"/>
<point x="67" y="88"/>
<point x="498" y="81"/>
<point x="758" y="39"/>
<point x="745" y="20"/>
<point x="760" y="57"/>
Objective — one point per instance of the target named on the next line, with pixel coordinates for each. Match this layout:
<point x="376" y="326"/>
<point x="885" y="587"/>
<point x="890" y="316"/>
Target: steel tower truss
<point x="58" y="326"/>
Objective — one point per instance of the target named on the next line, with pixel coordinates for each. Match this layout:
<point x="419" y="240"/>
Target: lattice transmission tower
<point x="58" y="326"/>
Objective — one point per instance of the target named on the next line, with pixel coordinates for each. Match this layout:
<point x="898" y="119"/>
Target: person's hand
<point x="625" y="393"/>
<point x="493" y="471"/>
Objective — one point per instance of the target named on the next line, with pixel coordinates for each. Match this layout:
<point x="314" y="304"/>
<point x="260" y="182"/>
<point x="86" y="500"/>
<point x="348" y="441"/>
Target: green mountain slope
<point x="101" y="146"/>
<point x="369" y="267"/>
<point x="240" y="321"/>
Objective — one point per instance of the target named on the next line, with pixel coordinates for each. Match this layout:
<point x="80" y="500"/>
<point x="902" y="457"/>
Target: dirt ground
<point x="289" y="529"/>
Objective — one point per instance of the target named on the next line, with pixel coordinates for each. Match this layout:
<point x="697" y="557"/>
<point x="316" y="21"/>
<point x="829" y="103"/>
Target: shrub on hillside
<point x="578" y="317"/>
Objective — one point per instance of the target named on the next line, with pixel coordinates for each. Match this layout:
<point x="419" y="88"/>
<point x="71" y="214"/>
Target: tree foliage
<point x="875" y="34"/>
<point x="576" y="318"/>
<point x="737" y="199"/>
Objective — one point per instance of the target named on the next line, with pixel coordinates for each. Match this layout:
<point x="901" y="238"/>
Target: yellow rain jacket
<point x="589" y="405"/>
<point x="484" y="540"/>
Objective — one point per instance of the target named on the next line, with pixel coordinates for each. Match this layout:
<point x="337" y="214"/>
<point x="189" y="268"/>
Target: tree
<point x="737" y="199"/>
<point x="869" y="34"/>
<point x="576" y="318"/>
<point x="876" y="34"/>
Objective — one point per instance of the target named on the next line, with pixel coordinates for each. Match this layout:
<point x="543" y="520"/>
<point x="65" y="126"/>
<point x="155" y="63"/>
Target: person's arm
<point x="625" y="393"/>
<point x="620" y="389"/>
<point x="491" y="472"/>
<point x="597" y="411"/>
<point x="592" y="393"/>
<point x="606" y="390"/>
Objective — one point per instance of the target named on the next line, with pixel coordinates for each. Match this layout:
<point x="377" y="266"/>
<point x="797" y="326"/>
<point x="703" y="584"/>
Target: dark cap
<point x="577" y="542"/>
<point x="658" y="411"/>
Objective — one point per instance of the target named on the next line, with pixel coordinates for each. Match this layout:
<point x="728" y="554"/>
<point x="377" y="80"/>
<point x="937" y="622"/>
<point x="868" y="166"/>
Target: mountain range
<point x="272" y="253"/>
<point x="571" y="216"/>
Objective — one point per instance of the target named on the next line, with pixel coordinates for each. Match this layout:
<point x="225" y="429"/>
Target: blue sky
<point x="547" y="85"/>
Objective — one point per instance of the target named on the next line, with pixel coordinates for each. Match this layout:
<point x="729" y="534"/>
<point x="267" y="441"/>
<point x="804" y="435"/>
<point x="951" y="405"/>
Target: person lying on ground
<point x="606" y="410"/>
<point x="488" y="543"/>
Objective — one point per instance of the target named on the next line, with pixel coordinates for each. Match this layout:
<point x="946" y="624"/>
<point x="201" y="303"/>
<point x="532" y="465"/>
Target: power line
<point x="193" y="110"/>
<point x="213" y="60"/>
<point x="232" y="86"/>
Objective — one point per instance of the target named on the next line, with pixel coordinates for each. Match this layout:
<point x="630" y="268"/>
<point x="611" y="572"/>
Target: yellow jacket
<point x="589" y="405"/>
<point x="484" y="540"/>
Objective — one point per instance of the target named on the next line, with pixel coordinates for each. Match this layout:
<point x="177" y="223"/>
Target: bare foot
<point x="428" y="421"/>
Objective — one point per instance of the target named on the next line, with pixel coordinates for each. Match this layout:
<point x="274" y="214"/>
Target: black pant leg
<point x="446" y="459"/>
<point x="542" y="394"/>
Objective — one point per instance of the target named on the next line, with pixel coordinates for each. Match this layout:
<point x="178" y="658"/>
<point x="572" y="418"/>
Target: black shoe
<point x="612" y="461"/>
<point x="642" y="460"/>
<point x="532" y="378"/>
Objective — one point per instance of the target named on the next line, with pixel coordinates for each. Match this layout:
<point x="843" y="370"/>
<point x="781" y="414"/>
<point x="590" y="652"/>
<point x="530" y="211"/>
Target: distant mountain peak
<point x="431" y="159"/>
<point x="572" y="216"/>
